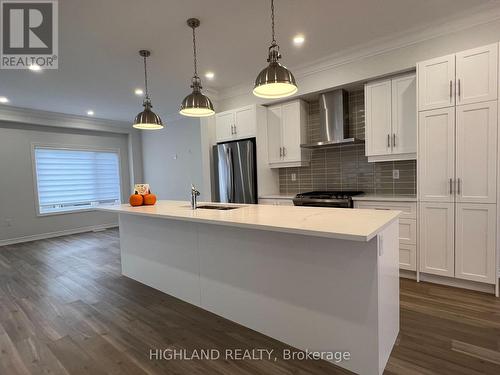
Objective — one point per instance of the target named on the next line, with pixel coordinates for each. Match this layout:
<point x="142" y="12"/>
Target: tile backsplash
<point x="346" y="167"/>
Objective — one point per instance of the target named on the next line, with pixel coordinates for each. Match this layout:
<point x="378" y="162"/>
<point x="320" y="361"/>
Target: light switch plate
<point x="294" y="177"/>
<point x="395" y="174"/>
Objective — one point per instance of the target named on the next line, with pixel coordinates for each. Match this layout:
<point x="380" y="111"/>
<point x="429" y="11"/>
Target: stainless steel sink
<point x="216" y="207"/>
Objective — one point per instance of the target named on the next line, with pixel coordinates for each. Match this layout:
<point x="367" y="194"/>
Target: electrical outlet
<point x="294" y="177"/>
<point x="395" y="174"/>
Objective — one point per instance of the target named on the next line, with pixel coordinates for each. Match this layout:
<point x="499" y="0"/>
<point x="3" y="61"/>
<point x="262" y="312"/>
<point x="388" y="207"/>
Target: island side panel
<point x="388" y="291"/>
<point x="162" y="254"/>
<point x="310" y="292"/>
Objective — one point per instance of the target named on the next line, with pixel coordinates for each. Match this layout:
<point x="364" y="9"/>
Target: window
<point x="75" y="179"/>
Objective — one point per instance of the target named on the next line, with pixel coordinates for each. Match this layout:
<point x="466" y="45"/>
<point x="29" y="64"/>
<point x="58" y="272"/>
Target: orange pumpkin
<point x="149" y="199"/>
<point x="136" y="200"/>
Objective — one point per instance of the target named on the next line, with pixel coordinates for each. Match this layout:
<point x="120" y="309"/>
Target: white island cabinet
<point x="319" y="279"/>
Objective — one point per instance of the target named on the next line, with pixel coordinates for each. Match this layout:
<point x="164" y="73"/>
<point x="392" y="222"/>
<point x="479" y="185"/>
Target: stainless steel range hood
<point x="333" y="121"/>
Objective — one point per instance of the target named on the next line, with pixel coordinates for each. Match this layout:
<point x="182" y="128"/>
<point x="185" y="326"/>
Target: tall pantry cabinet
<point x="457" y="164"/>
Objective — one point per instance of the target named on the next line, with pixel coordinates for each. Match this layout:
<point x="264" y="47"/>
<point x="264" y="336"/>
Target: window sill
<point x="72" y="211"/>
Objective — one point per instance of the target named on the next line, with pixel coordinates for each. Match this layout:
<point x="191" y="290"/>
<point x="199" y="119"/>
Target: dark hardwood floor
<point x="65" y="309"/>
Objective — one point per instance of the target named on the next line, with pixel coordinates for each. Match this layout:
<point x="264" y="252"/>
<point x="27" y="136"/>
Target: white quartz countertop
<point x="338" y="223"/>
<point x="385" y="198"/>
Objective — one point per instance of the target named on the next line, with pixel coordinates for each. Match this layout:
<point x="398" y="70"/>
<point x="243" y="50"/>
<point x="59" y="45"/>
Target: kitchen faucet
<point x="194" y="195"/>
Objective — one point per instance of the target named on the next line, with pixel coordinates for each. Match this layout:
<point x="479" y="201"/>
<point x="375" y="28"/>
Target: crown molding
<point x="481" y="15"/>
<point x="55" y="119"/>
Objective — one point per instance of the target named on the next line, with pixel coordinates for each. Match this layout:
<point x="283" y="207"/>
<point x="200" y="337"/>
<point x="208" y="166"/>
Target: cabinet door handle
<point x="388" y="140"/>
<point x="394" y="140"/>
<point x="232" y="130"/>
<point x="459" y="89"/>
<point x="451" y="90"/>
<point x="235" y="129"/>
<point x="451" y="186"/>
<point x="459" y="187"/>
<point x="281" y="152"/>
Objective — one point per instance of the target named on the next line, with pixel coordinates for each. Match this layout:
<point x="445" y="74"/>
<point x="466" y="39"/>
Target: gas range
<point x="342" y="199"/>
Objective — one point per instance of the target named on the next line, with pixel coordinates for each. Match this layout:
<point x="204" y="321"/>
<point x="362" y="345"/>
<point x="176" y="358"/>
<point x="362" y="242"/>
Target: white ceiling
<point x="99" y="67"/>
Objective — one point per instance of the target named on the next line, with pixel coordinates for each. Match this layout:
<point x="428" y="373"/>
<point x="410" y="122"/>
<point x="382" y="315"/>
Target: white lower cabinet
<point x="458" y="240"/>
<point x="475" y="228"/>
<point x="407" y="228"/>
<point x="407" y="257"/>
<point x="436" y="238"/>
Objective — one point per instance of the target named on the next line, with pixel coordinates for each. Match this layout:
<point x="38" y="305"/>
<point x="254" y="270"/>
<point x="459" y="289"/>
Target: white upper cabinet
<point x="224" y="126"/>
<point x="476" y="153"/>
<point x="274" y="134"/>
<point x="436" y="83"/>
<point x="236" y="124"/>
<point x="391" y="119"/>
<point x="436" y="155"/>
<point x="378" y="102"/>
<point x="464" y="78"/>
<point x="404" y="115"/>
<point x="286" y="131"/>
<point x="245" y="122"/>
<point x="477" y="75"/>
<point x="475" y="243"/>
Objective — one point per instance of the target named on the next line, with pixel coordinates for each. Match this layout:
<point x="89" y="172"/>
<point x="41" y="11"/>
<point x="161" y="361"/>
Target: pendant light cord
<point x="273" y="42"/>
<point x="146" y="78"/>
<point x="194" y="55"/>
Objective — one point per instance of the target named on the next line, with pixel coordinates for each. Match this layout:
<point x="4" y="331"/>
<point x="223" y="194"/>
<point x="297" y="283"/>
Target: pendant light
<point x="147" y="119"/>
<point x="275" y="81"/>
<point x="196" y="104"/>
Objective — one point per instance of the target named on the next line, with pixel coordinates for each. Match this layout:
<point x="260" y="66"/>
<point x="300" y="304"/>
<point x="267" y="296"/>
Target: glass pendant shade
<point x="196" y="104"/>
<point x="147" y="119"/>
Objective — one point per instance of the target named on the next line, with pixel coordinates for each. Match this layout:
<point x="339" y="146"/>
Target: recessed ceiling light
<point x="139" y="92"/>
<point x="210" y="75"/>
<point x="90" y="112"/>
<point x="299" y="39"/>
<point x="35" y="68"/>
<point x="3" y="99"/>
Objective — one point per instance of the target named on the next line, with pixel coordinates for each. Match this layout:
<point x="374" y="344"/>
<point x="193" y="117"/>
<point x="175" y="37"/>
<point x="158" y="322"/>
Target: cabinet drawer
<point x="409" y="209"/>
<point x="408" y="257"/>
<point x="408" y="231"/>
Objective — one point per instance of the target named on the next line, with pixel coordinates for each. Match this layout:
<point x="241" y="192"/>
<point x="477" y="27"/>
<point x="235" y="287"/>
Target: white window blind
<point x="69" y="180"/>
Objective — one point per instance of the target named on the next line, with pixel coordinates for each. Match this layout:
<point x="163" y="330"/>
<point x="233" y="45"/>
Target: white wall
<point x="172" y="159"/>
<point x="17" y="193"/>
<point x="380" y="59"/>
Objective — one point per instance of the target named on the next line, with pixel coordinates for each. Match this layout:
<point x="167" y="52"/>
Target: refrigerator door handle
<point x="230" y="167"/>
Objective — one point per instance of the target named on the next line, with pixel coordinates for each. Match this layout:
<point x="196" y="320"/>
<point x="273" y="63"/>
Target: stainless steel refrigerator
<point x="235" y="172"/>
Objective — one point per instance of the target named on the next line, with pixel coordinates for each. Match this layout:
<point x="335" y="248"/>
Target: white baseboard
<point x="449" y="281"/>
<point x="42" y="236"/>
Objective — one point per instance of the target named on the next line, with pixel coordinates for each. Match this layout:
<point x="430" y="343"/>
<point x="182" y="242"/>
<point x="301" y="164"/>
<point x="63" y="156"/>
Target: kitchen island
<point x="318" y="279"/>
